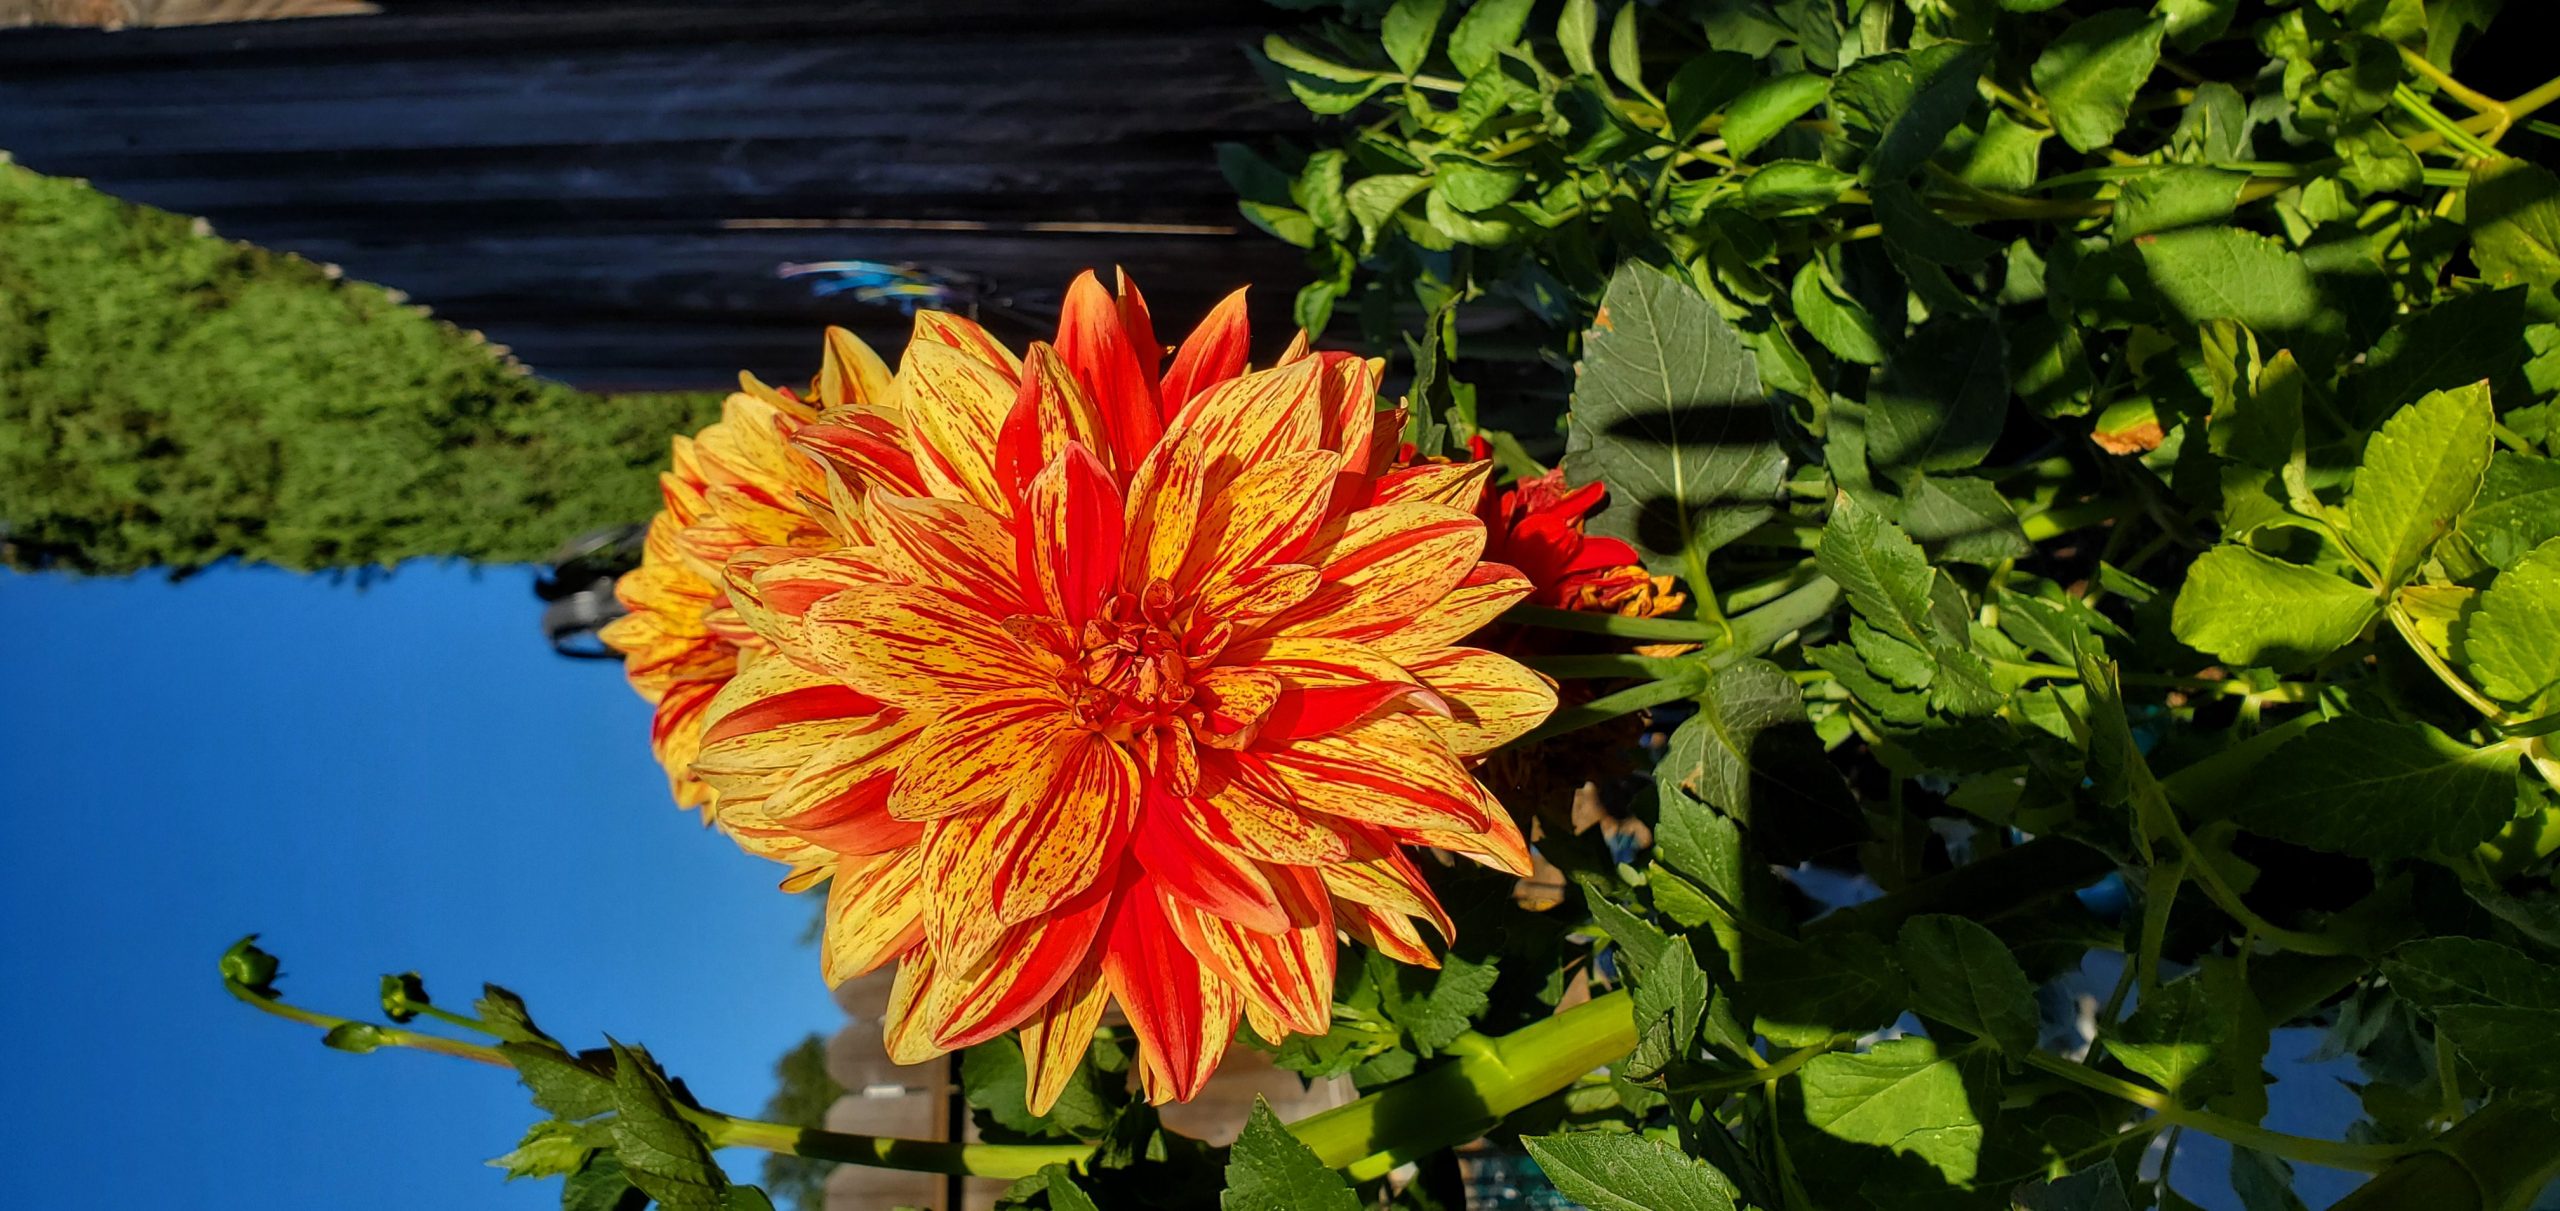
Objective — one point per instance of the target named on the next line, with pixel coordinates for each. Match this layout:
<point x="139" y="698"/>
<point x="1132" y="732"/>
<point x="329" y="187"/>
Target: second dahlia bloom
<point x="1536" y="526"/>
<point x="1128" y="682"/>
<point x="739" y="485"/>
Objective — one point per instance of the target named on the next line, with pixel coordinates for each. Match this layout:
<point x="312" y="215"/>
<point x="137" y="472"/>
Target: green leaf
<point x="1962" y="520"/>
<point x="2090" y="74"/>
<point x="1765" y="108"/>
<point x="1279" y="49"/>
<point x="661" y="1153"/>
<point x="504" y="1014"/>
<point x="1472" y="186"/>
<point x="2420" y="471"/>
<point x="2518" y="509"/>
<point x="2176" y="196"/>
<point x="1616" y="1171"/>
<point x="2245" y="608"/>
<point x="2173" y="1034"/>
<point x="1064" y="1195"/>
<point x="1837" y="321"/>
<point x="1318" y="191"/>
<point x="1750" y="753"/>
<point x="601" y="1186"/>
<point x="1668" y="411"/>
<point x="551" y="1149"/>
<point x="2513" y="208"/>
<point x="1671" y="997"/>
<point x="2003" y="157"/>
<point x="1910" y="101"/>
<point x="1939" y="404"/>
<point x="1901" y="1095"/>
<point x="2096" y="1188"/>
<point x="1703" y="85"/>
<point x="2372" y="789"/>
<point x="1408" y="30"/>
<point x="1487" y="29"/>
<point x="2498" y="1006"/>
<point x="2511" y="639"/>
<point x="1911" y="227"/>
<point x="2462" y="340"/>
<point x="1964" y="976"/>
<point x="1577" y="27"/>
<point x="2195" y="22"/>
<point x="1783" y="186"/>
<point x="1437" y="1016"/>
<point x="2211" y="273"/>
<point x="1879" y="569"/>
<point x="560" y="1084"/>
<point x="1374" y="200"/>
<point x="1269" y="1170"/>
<point x="1626" y="57"/>
<point x="1832" y="984"/>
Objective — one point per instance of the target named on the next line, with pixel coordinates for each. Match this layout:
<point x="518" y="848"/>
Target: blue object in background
<point x="393" y="777"/>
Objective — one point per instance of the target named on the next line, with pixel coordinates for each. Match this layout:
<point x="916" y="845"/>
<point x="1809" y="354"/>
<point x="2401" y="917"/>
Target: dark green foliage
<point x="2161" y="394"/>
<point x="169" y="400"/>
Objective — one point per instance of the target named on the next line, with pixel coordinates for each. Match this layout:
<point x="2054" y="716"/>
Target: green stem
<point x="2333" y="1154"/>
<point x="389" y="1036"/>
<point x="888" y="1152"/>
<point x="1776" y="1069"/>
<point x="1467" y="1096"/>
<point x="1625" y="702"/>
<point x="2408" y="628"/>
<point x="1656" y="629"/>
<point x="1614" y="665"/>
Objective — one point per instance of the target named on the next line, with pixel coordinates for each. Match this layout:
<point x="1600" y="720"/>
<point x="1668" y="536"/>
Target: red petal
<point x="1180" y="846"/>
<point x="1093" y="340"/>
<point x="1215" y="351"/>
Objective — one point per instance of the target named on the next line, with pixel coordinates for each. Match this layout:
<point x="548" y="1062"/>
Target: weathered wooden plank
<point x="569" y="179"/>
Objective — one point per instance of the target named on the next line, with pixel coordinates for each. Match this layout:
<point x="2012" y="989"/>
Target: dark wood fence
<point x="608" y="187"/>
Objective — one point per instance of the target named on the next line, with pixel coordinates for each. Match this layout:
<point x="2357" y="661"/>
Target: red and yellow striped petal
<point x="1055" y="1040"/>
<point x="875" y="912"/>
<point x="1215" y="351"/>
<point x="1391" y="771"/>
<point x="1093" y="340"/>
<point x="974" y="755"/>
<point x="955" y="404"/>
<point x="1191" y="854"/>
<point x="1182" y="1012"/>
<point x="1480" y="597"/>
<point x="951" y="545"/>
<point x="913" y="645"/>
<point x="1067" y="543"/>
<point x="1493" y="699"/>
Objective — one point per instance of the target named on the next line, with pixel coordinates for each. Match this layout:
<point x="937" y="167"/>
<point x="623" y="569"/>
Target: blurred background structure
<point x="609" y="188"/>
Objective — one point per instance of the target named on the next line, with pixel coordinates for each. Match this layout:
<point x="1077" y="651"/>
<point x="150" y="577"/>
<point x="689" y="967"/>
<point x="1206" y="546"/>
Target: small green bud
<point x="358" y="1037"/>
<point x="403" y="996"/>
<point x="249" y="967"/>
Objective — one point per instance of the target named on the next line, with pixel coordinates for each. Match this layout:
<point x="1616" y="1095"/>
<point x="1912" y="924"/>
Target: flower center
<point x="1132" y="671"/>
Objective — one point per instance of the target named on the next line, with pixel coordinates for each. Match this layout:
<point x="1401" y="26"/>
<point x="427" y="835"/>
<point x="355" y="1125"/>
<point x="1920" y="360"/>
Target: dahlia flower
<point x="1120" y="682"/>
<point x="1536" y="526"/>
<point x="736" y="486"/>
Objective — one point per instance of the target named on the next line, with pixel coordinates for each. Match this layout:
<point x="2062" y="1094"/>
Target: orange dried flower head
<point x="1122" y="681"/>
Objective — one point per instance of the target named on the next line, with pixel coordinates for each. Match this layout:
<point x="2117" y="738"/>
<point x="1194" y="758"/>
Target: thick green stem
<point x="889" y="1152"/>
<point x="1657" y="629"/>
<point x="1467" y="1096"/>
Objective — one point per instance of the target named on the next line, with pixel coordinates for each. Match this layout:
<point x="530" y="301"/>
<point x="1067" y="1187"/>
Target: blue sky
<point x="398" y="776"/>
